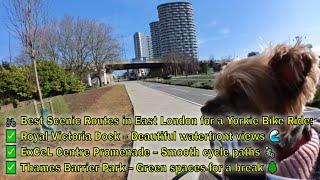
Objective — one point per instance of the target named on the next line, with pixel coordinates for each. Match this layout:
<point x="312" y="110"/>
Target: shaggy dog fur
<point x="279" y="82"/>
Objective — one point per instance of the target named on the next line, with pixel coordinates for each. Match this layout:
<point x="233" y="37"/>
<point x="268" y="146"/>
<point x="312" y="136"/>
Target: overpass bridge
<point x="106" y="77"/>
<point x="156" y="68"/>
<point x="136" y="65"/>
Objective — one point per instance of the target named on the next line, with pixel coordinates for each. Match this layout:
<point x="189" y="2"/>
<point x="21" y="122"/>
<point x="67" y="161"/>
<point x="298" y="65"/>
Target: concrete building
<point x="155" y="38"/>
<point x="142" y="46"/>
<point x="177" y="29"/>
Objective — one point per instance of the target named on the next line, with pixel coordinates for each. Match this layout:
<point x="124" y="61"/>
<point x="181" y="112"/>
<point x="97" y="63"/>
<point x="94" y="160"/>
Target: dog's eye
<point x="236" y="95"/>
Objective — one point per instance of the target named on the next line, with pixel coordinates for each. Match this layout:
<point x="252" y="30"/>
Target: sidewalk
<point x="150" y="102"/>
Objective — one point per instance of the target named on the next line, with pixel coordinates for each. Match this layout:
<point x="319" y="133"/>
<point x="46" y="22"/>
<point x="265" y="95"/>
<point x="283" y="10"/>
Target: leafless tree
<point x="66" y="42"/>
<point x="172" y="59"/>
<point x="73" y="44"/>
<point x="180" y="63"/>
<point x="48" y="41"/>
<point x="212" y="58"/>
<point x="82" y="46"/>
<point x="24" y="19"/>
<point x="78" y="44"/>
<point x="103" y="46"/>
<point x="226" y="58"/>
<point x="22" y="58"/>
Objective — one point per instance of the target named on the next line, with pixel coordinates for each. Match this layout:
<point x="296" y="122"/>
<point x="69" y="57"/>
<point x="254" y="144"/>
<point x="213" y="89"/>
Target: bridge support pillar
<point x="89" y="82"/>
<point x="106" y="78"/>
<point x="128" y="74"/>
<point x="109" y="78"/>
<point x="105" y="81"/>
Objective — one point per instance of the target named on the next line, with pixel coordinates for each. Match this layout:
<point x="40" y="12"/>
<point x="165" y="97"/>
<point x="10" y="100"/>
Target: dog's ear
<point x="291" y="65"/>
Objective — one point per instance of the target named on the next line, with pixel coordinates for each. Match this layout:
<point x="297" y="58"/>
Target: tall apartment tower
<point x="142" y="46"/>
<point x="155" y="38"/>
<point x="177" y="29"/>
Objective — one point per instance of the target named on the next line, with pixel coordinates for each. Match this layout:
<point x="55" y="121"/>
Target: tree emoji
<point x="272" y="167"/>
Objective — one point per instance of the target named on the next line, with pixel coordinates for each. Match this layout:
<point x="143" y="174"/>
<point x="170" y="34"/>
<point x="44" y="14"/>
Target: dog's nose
<point x="209" y="110"/>
<point x="204" y="110"/>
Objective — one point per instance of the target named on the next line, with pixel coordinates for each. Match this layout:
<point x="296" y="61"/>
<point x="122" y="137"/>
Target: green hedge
<point x="54" y="80"/>
<point x="15" y="84"/>
<point x="18" y="83"/>
<point x="204" y="84"/>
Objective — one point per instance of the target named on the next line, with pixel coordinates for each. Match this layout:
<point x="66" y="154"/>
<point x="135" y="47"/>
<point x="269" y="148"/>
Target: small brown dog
<point x="280" y="81"/>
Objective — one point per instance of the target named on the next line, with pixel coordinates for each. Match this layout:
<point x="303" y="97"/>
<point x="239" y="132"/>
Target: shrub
<point x="54" y="80"/>
<point x="316" y="99"/>
<point x="74" y="85"/>
<point x="15" y="85"/>
<point x="203" y="84"/>
<point x="18" y="83"/>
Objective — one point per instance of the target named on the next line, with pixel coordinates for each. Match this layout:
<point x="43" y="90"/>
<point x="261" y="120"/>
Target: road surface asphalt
<point x="201" y="96"/>
<point x="154" y="99"/>
<point x="148" y="102"/>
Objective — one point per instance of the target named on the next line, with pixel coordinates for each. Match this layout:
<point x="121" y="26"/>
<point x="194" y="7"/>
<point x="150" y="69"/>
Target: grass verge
<point x="110" y="101"/>
<point x="203" y="83"/>
<point x="59" y="105"/>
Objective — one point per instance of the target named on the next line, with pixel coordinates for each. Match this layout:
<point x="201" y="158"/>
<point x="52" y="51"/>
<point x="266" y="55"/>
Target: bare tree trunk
<point x="99" y="79"/>
<point x="25" y="17"/>
<point x="37" y="81"/>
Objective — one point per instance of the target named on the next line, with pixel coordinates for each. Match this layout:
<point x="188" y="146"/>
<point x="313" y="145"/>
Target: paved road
<point x="148" y="102"/>
<point x="200" y="96"/>
<point x="153" y="99"/>
<point x="194" y="95"/>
